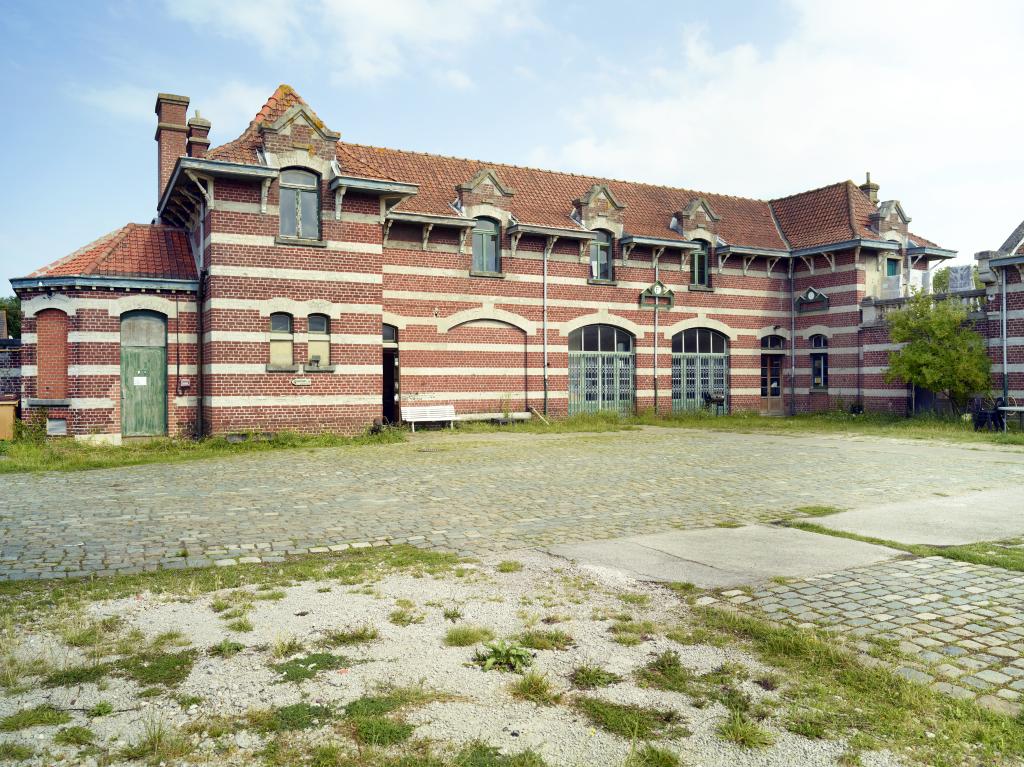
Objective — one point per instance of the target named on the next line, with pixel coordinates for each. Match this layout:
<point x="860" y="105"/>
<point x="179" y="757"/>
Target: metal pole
<point x="654" y="343"/>
<point x="544" y="322"/>
<point x="1002" y="317"/>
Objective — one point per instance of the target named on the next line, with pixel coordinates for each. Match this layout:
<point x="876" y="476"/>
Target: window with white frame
<point x="318" y="342"/>
<point x="281" y="340"/>
<point x="601" y="256"/>
<point x="700" y="275"/>
<point x="819" y="361"/>
<point x="486" y="250"/>
<point x="300" y="204"/>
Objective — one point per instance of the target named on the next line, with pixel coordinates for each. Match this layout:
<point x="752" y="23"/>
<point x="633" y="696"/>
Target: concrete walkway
<point x="980" y="516"/>
<point x="724" y="557"/>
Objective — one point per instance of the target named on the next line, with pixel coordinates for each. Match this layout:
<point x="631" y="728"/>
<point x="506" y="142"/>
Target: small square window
<point x="318" y="323"/>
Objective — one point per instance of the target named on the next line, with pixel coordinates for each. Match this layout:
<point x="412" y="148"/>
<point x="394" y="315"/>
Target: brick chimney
<point x="870" y="189"/>
<point x="198" y="130"/>
<point x="171" y="112"/>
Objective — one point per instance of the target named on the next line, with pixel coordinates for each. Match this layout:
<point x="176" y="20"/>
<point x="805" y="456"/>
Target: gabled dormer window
<point x="486" y="253"/>
<point x="601" y="256"/>
<point x="300" y="204"/>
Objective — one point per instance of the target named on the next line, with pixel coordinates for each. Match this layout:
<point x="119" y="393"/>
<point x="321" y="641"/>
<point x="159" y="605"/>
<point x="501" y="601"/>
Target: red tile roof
<point x="134" y="250"/>
<point x="834" y="213"/>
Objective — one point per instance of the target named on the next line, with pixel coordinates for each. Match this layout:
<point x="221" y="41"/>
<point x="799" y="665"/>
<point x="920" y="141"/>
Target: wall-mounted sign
<point x="140" y="381"/>
<point x="658" y="295"/>
<point x="302" y="382"/>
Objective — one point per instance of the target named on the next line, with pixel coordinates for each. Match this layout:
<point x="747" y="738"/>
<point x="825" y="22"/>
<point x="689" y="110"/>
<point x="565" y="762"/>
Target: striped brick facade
<point x="394" y="247"/>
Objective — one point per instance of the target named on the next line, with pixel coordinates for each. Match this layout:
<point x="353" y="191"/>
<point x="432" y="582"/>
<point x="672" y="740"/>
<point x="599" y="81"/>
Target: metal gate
<point x="693" y="375"/>
<point x="601" y="381"/>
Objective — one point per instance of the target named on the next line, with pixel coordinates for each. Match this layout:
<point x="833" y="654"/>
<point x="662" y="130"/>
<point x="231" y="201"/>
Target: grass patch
<point x="283" y="647"/>
<point x="465" y="636"/>
<point x="348" y="637"/>
<point x="592" y="677"/>
<point x="546" y="640"/>
<point x="686" y="635"/>
<point x="240" y="625"/>
<point x="994" y="554"/>
<point x="406" y="616"/>
<point x="155" y="668"/>
<point x="509" y="566"/>
<point x="14" y="752"/>
<point x="742" y="731"/>
<point x="380" y="731"/>
<point x="504" y="656"/>
<point x="630" y="722"/>
<point x="158" y="744"/>
<point x="307" y="667"/>
<point x="226" y="648"/>
<point x="651" y="756"/>
<point x="483" y="755"/>
<point x="74" y="736"/>
<point x="666" y="672"/>
<point x="103" y="708"/>
<point x="38" y="716"/>
<point x="630" y="632"/>
<point x="728" y="524"/>
<point x="452" y="614"/>
<point x="637" y="600"/>
<point x="72" y="675"/>
<point x="71" y="455"/>
<point x="871" y="704"/>
<point x="298" y="716"/>
<point x="816" y="511"/>
<point x="535" y="688"/>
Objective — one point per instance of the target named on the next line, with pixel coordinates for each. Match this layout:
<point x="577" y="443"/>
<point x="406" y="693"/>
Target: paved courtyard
<point x="468" y="493"/>
<point x="959" y="626"/>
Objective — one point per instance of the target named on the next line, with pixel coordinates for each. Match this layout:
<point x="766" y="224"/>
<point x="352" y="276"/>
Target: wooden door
<point x="772" y="402"/>
<point x="143" y="375"/>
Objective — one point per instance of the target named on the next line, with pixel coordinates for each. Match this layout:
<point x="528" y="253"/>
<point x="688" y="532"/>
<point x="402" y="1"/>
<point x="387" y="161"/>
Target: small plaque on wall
<point x="302" y="382"/>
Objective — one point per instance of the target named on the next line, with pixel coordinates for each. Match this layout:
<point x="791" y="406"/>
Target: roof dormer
<point x="297" y="137"/>
<point x="598" y="208"/>
<point x="697" y="220"/>
<point x="890" y="221"/>
<point x="484" y="195"/>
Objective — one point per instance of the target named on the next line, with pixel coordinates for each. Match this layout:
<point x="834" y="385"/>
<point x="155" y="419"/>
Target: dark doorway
<point x="389" y="400"/>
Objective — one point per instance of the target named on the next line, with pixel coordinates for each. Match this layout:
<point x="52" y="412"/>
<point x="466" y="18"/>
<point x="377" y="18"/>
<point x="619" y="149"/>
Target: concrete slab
<point x="721" y="557"/>
<point x="979" y="516"/>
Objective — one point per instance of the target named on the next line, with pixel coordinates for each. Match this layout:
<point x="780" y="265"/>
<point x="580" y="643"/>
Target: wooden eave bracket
<point x="809" y="261"/>
<point x="427" y="228"/>
<point x="514" y="241"/>
<point x="722" y="261"/>
<point x="339" y="197"/>
<point x="264" y="193"/>
<point x="831" y="260"/>
<point x="583" y="249"/>
<point x="463" y="234"/>
<point x="198" y="180"/>
<point x="627" y="249"/>
<point x="552" y="239"/>
<point x="747" y="261"/>
<point x="387" y="230"/>
<point x="772" y="261"/>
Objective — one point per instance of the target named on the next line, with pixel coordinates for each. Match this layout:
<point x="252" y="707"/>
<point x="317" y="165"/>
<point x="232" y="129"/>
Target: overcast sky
<point x="757" y="99"/>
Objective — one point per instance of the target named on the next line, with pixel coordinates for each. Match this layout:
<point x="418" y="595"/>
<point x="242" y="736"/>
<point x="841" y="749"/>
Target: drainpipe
<point x="1002" y="332"/>
<point x="654" y="343"/>
<point x="544" y="322"/>
<point x="860" y="334"/>
<point x="792" y="339"/>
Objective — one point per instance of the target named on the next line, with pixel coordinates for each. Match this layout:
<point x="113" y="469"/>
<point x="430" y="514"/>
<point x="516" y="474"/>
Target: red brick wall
<point x="52" y="354"/>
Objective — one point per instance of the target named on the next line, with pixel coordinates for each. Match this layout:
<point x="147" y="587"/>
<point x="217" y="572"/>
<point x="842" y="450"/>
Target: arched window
<point x="281" y="340"/>
<point x="486" y="251"/>
<point x="601" y="256"/>
<point x="819" y="361"/>
<point x="318" y="343"/>
<point x="51" y="354"/>
<point x="700" y="368"/>
<point x="700" y="275"/>
<point x="300" y="204"/>
<point x="773" y="343"/>
<point x="389" y="333"/>
<point x="772" y="354"/>
<point x="601" y="370"/>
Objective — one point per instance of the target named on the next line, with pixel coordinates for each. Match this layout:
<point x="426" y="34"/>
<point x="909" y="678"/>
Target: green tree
<point x="12" y="304"/>
<point x="941" y="352"/>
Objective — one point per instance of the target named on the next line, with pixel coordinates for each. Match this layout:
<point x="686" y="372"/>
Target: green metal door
<point x="143" y="391"/>
<point x="143" y="375"/>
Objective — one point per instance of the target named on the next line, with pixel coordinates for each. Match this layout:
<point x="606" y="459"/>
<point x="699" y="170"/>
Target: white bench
<point x="429" y="414"/>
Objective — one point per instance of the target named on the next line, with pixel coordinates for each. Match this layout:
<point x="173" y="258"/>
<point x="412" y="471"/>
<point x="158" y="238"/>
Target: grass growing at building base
<point x="29" y="455"/>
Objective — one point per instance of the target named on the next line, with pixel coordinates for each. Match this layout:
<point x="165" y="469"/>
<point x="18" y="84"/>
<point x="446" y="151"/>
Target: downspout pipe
<point x="792" y="338"/>
<point x="1002" y="333"/>
<point x="548" y="247"/>
<point x="654" y="342"/>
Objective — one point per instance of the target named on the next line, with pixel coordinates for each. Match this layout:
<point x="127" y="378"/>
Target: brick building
<point x="291" y="280"/>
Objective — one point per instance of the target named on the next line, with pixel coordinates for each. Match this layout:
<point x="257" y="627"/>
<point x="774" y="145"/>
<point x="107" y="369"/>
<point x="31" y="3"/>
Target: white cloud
<point x="131" y="102"/>
<point x="369" y="41"/>
<point x="922" y="94"/>
<point x="455" y="78"/>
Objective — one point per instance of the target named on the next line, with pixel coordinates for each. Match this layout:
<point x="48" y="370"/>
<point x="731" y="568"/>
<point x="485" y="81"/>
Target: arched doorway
<point x="601" y="370"/>
<point x="389" y="397"/>
<point x="700" y="367"/>
<point x="143" y="374"/>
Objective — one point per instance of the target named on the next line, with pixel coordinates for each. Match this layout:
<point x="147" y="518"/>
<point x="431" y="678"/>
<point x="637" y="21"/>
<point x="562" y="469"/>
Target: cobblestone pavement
<point x="468" y="493"/>
<point x="960" y="627"/>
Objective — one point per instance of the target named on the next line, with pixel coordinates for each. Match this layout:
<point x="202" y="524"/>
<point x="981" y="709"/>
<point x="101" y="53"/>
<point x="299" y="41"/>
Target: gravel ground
<point x="478" y="704"/>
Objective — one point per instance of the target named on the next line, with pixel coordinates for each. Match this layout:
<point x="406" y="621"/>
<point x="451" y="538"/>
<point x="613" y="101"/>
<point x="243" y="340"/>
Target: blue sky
<point x="757" y="99"/>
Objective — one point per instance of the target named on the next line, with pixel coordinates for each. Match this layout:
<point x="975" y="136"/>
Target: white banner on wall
<point x="961" y="278"/>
